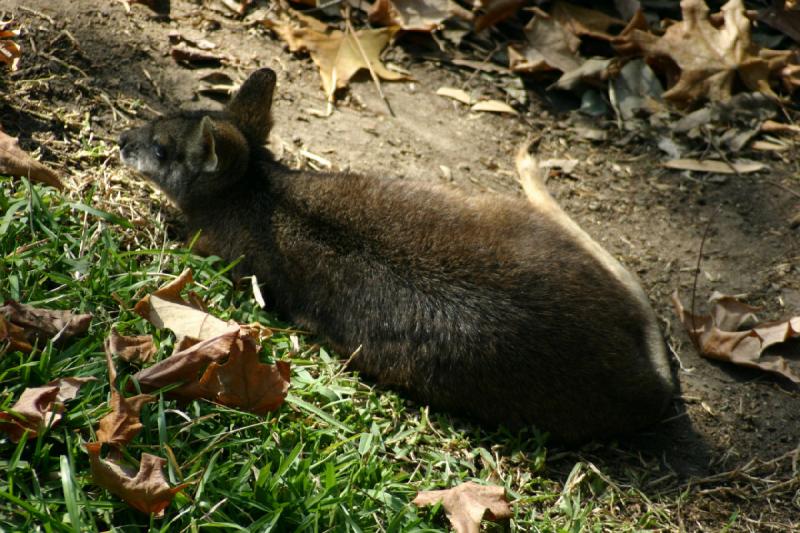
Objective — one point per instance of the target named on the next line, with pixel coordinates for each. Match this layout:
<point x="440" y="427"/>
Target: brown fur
<point x="480" y="305"/>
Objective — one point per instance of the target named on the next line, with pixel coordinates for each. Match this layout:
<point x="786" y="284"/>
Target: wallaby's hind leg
<point x="532" y="177"/>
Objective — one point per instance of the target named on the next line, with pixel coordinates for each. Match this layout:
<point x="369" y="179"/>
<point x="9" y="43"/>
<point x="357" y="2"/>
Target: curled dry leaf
<point x="411" y="15"/>
<point x="467" y="504"/>
<point x="166" y="308"/>
<point x="782" y="19"/>
<point x="495" y="11"/>
<point x="12" y="337"/>
<point x="710" y="59"/>
<point x="131" y="348"/>
<point x="245" y="382"/>
<point x="581" y="21"/>
<point x="40" y="407"/>
<point x="715" y="166"/>
<point x="40" y="325"/>
<point x="549" y="47"/>
<point x="187" y="366"/>
<point x="146" y="490"/>
<point x="716" y="335"/>
<point x="493" y="106"/>
<point x="15" y="162"/>
<point x="455" y="94"/>
<point x="122" y="424"/>
<point x="240" y="381"/>
<point x="337" y="54"/>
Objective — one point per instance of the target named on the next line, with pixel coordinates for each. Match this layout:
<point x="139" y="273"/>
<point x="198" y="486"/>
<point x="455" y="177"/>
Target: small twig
<point x="37" y="13"/>
<point x="63" y="63"/>
<point x="782" y="186"/>
<point x="695" y="338"/>
<point x="375" y="78"/>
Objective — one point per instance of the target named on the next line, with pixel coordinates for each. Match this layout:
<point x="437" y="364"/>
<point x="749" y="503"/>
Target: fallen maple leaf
<point x="122" y="424"/>
<point x="467" y="504"/>
<point x="582" y="21"/>
<point x="338" y="55"/>
<point x="411" y="15"/>
<point x="187" y="366"/>
<point x="40" y="407"/>
<point x="495" y="11"/>
<point x="715" y="335"/>
<point x="782" y="19"/>
<point x="166" y="308"/>
<point x="549" y="47"/>
<point x="134" y="349"/>
<point x="44" y="324"/>
<point x="245" y="382"/>
<point x="710" y="59"/>
<point x="12" y="337"/>
<point x="146" y="490"/>
<point x="15" y="162"/>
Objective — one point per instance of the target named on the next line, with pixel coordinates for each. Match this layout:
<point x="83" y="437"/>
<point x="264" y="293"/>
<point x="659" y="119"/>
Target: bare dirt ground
<point x="732" y="435"/>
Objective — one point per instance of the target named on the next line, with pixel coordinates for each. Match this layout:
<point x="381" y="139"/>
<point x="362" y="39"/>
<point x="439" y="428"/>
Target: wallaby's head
<point x="194" y="156"/>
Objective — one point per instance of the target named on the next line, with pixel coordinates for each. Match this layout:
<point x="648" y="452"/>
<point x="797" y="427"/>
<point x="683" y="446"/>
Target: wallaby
<point x="498" y="309"/>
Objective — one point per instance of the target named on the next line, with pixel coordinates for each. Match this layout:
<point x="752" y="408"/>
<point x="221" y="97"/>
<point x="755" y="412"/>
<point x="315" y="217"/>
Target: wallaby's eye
<point x="160" y="152"/>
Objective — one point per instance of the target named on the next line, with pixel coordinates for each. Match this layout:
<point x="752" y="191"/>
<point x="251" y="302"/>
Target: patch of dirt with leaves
<point x="732" y="430"/>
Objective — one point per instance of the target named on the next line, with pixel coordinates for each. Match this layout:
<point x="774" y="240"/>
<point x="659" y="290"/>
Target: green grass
<point x="338" y="456"/>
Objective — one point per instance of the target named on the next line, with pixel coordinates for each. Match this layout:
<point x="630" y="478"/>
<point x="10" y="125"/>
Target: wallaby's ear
<point x="252" y="105"/>
<point x="201" y="146"/>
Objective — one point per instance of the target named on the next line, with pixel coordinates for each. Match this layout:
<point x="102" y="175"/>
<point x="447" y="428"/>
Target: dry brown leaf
<point x="549" y="47"/>
<point x="134" y="349"/>
<point x="713" y="165"/>
<point x="411" y="15"/>
<point x="122" y="424"/>
<point x="715" y="335"/>
<point x="166" y="308"/>
<point x="467" y="504"/>
<point x="337" y="54"/>
<point x="187" y="366"/>
<point x="33" y="411"/>
<point x="40" y="407"/>
<point x="493" y="106"/>
<point x="495" y="11"/>
<point x="15" y="162"/>
<point x="622" y="43"/>
<point x="455" y="94"/>
<point x="68" y="388"/>
<point x="782" y="19"/>
<point x="12" y="337"/>
<point x="710" y="58"/>
<point x="245" y="382"/>
<point x="770" y="126"/>
<point x="42" y="324"/>
<point x="146" y="490"/>
<point x="581" y="21"/>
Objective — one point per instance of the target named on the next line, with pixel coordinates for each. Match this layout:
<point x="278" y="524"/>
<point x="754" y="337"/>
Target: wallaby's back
<point x="482" y="305"/>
